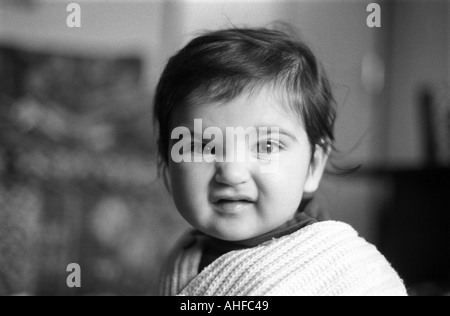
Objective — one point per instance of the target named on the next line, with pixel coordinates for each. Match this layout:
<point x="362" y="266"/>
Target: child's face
<point x="235" y="200"/>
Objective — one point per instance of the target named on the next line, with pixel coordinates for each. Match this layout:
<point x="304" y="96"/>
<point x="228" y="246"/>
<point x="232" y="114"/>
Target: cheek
<point x="294" y="169"/>
<point x="189" y="182"/>
<point x="286" y="186"/>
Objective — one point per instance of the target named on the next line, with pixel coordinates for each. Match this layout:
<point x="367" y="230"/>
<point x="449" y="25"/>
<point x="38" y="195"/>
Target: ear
<point x="316" y="169"/>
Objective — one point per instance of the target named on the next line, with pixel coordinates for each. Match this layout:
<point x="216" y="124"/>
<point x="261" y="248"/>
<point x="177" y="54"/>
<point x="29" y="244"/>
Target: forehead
<point x="259" y="108"/>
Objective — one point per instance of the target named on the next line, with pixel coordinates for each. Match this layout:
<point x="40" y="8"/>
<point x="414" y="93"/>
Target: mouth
<point x="232" y="198"/>
<point x="232" y="204"/>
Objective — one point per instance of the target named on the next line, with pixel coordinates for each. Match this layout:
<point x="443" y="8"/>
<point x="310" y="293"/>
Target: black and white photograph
<point x="217" y="148"/>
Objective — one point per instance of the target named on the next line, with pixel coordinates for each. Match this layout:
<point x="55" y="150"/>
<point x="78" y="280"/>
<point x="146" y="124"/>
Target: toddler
<point x="246" y="121"/>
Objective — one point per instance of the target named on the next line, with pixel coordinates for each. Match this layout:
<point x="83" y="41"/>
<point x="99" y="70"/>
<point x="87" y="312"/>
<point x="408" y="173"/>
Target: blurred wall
<point x="420" y="56"/>
<point x="107" y="29"/>
<point x="110" y="30"/>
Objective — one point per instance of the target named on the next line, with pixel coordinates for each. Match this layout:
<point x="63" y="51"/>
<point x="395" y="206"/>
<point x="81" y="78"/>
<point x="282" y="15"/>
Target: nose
<point x="232" y="173"/>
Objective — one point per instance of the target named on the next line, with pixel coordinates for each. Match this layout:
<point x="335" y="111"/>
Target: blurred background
<point x="78" y="179"/>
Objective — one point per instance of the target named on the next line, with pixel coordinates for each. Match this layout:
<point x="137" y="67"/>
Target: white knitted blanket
<point x="326" y="258"/>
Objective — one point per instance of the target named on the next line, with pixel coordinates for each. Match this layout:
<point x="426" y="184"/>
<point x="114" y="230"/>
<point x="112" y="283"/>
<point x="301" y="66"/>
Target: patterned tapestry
<point x="78" y="178"/>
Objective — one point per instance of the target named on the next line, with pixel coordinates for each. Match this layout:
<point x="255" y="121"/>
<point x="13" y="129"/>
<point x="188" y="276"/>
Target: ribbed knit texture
<point x="326" y="258"/>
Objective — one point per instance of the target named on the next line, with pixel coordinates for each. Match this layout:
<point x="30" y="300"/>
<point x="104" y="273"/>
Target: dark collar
<point x="307" y="214"/>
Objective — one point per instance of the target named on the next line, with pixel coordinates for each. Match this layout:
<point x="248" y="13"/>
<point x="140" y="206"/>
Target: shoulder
<point x="181" y="265"/>
<point x="345" y="263"/>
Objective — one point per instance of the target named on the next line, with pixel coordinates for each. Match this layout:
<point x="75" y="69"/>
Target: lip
<point x="231" y="207"/>
<point x="231" y="198"/>
<point x="232" y="203"/>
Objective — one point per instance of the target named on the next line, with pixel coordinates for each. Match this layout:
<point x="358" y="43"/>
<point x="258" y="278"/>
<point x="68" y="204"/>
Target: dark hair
<point x="221" y="65"/>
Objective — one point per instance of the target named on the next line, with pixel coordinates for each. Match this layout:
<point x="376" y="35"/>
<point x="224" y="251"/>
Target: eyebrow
<point x="281" y="131"/>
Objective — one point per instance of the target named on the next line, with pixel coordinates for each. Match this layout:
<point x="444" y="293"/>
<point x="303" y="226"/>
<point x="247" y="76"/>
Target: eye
<point x="202" y="148"/>
<point x="196" y="148"/>
<point x="268" y="147"/>
<point x="209" y="150"/>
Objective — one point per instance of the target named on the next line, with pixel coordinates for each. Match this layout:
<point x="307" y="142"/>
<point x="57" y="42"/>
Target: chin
<point x="231" y="235"/>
